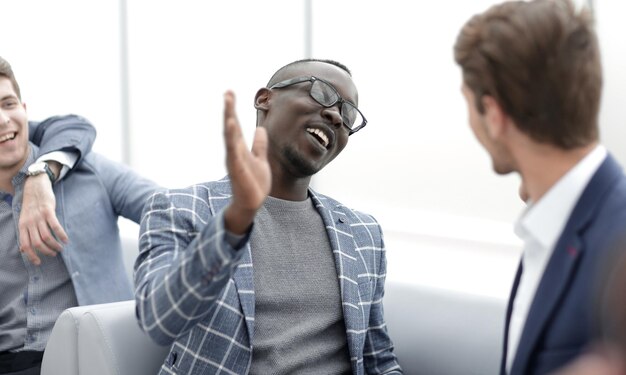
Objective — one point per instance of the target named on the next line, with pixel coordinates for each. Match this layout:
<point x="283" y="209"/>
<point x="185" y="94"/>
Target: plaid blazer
<point x="196" y="293"/>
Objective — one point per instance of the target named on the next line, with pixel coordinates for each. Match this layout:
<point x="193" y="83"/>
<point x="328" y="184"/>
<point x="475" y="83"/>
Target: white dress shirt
<point x="67" y="160"/>
<point x="540" y="226"/>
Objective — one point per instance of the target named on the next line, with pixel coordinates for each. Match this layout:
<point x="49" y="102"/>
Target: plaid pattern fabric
<point x="196" y="293"/>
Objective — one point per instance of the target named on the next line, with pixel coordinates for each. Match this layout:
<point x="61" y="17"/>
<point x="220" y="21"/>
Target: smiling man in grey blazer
<point x="257" y="273"/>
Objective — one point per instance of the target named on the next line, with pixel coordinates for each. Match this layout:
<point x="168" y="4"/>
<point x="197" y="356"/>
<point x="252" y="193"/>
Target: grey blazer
<point x="195" y="292"/>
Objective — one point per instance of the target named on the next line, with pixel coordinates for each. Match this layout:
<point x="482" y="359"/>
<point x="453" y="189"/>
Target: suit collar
<point x="561" y="266"/>
<point x="545" y="219"/>
<point x="337" y="220"/>
<point x="243" y="276"/>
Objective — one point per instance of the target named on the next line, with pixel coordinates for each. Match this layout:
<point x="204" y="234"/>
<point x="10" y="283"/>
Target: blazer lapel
<point x="509" y="312"/>
<point x="346" y="262"/>
<point x="554" y="283"/>
<point x="243" y="275"/>
<point x="244" y="281"/>
<point x="562" y="265"/>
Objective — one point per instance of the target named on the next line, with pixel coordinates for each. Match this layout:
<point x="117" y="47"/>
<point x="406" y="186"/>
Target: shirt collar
<point x="544" y="220"/>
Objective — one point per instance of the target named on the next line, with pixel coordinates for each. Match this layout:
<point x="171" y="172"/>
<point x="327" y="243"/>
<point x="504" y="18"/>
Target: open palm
<point x="249" y="170"/>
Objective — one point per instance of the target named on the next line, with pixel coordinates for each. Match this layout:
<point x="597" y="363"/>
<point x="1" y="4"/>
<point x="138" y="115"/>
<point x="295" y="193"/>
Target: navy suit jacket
<point x="560" y="322"/>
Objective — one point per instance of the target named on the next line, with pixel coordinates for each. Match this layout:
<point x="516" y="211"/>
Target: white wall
<point x="417" y="151"/>
<point x="612" y="32"/>
<point x="184" y="55"/>
<point x="65" y="54"/>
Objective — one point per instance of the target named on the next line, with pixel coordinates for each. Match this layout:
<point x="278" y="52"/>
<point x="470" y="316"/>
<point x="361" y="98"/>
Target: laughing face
<point x="303" y="135"/>
<point x="13" y="129"/>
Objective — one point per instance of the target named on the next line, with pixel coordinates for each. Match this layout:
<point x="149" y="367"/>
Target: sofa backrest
<point x="444" y="332"/>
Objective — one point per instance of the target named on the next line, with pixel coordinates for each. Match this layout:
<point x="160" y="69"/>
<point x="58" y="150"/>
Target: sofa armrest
<point x="101" y="339"/>
<point x="111" y="342"/>
<point x="61" y="354"/>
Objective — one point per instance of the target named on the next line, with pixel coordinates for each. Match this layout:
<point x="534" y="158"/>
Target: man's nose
<point x="4" y="118"/>
<point x="333" y="114"/>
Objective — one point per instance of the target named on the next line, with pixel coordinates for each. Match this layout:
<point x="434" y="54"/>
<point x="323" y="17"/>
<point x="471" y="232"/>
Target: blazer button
<point x="342" y="220"/>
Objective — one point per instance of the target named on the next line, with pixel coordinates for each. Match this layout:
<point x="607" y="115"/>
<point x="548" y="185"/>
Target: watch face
<point x="40" y="168"/>
<point x="37" y="168"/>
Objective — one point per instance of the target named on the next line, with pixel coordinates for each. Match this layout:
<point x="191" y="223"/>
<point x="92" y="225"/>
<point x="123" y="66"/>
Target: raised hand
<point x="249" y="171"/>
<point x="39" y="229"/>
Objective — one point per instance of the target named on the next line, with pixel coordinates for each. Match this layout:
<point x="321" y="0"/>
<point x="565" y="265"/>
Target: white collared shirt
<point x="540" y="227"/>
<point x="67" y="159"/>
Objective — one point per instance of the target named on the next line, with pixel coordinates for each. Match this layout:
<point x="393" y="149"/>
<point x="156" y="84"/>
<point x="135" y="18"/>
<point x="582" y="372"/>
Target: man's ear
<point x="262" y="98"/>
<point x="495" y="117"/>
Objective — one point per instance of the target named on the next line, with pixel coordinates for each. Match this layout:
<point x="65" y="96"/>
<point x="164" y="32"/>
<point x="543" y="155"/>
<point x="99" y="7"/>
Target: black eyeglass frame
<point x="312" y="79"/>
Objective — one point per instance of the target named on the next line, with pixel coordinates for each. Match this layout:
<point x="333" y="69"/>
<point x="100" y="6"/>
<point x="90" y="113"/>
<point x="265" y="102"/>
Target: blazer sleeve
<point x="63" y="133"/>
<point x="378" y="353"/>
<point x="183" y="266"/>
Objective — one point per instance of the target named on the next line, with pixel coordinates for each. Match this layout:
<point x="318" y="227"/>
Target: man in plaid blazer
<point x="257" y="273"/>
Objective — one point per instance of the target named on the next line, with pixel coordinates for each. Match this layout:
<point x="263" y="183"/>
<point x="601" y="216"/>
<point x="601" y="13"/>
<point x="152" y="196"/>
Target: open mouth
<point x="7" y="137"/>
<point x="320" y="136"/>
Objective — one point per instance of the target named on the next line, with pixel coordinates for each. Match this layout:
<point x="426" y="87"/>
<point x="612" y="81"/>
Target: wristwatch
<point x="39" y="168"/>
